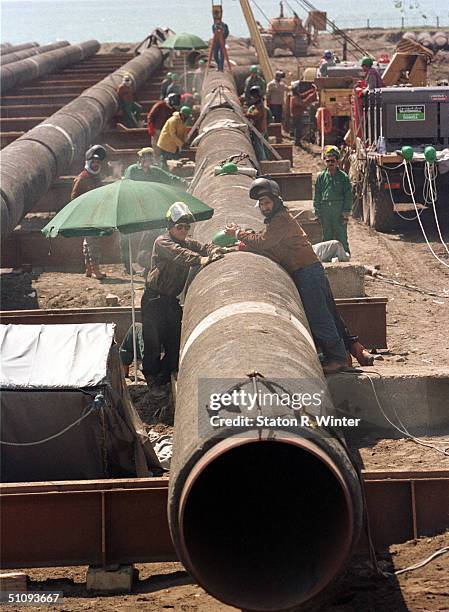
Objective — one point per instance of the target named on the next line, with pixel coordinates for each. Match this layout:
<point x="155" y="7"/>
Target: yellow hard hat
<point x="145" y="151"/>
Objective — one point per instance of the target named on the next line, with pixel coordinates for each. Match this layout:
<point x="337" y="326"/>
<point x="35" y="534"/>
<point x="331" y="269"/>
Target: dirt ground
<point x="167" y="586"/>
<point x="418" y="340"/>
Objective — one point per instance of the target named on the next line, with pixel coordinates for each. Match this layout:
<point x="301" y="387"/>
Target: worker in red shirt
<point x="157" y="116"/>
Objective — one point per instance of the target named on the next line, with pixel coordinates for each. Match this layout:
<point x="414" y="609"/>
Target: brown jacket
<point x="84" y="182"/>
<point x="284" y="241"/>
<point x="171" y="262"/>
<point x="159" y="114"/>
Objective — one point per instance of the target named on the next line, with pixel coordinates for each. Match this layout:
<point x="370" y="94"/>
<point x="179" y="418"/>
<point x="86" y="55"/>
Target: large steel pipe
<point x="9" y="58"/>
<point x="48" y="150"/>
<point x="8" y="48"/>
<point x="264" y="518"/>
<point x="32" y="68"/>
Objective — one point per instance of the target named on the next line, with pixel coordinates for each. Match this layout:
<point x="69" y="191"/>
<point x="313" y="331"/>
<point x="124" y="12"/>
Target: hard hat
<point x="201" y="61"/>
<point x="174" y="76"/>
<point x="254" y="68"/>
<point x="332" y="151"/>
<point x="367" y="61"/>
<point x="255" y="92"/>
<point x="174" y="99"/>
<point x="263" y="186"/>
<point x="328" y="54"/>
<point x="146" y="151"/>
<point x="179" y="212"/>
<point x="223" y="240"/>
<point x="229" y="168"/>
<point x="169" y="75"/>
<point x="96" y="152"/>
<point x="280" y="74"/>
<point x="186" y="111"/>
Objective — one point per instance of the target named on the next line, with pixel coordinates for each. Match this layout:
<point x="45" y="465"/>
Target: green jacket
<point x="154" y="175"/>
<point x="335" y="190"/>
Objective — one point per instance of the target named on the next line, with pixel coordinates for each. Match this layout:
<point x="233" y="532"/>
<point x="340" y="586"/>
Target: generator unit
<point x="414" y="116"/>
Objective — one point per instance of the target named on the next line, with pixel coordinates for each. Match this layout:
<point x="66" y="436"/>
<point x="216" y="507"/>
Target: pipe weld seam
<point x="63" y="132"/>
<point x="238" y="308"/>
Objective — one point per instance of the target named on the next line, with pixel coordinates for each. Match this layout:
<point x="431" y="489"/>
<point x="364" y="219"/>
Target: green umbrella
<point x="184" y="42"/>
<point x="126" y="205"/>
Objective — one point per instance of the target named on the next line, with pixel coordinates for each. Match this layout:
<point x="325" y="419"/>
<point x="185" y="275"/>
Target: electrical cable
<point x="60" y="433"/>
<point x="438" y="553"/>
<point x="430" y="176"/>
<point x="420" y="223"/>
<point x="404" y="431"/>
<point x="392" y="199"/>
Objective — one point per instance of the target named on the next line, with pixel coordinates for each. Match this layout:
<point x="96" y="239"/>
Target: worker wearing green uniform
<point x="332" y="201"/>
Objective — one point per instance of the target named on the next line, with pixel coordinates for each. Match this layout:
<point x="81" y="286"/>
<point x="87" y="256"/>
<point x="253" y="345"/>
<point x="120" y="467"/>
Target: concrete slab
<point x="275" y="165"/>
<point x="116" y="580"/>
<point x="417" y="403"/>
<point x="347" y="280"/>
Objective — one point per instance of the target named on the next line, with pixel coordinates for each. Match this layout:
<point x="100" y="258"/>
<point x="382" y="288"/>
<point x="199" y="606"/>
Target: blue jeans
<point x="313" y="288"/>
<point x="219" y="57"/>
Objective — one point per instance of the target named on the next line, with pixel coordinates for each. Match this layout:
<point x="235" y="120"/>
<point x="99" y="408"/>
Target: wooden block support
<point x="13" y="582"/>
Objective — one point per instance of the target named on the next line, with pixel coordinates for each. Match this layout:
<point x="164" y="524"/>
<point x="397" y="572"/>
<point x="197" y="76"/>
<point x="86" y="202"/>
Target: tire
<point x="382" y="217"/>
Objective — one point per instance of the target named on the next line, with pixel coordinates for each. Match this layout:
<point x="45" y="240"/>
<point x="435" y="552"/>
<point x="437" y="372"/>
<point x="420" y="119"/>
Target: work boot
<point x="333" y="367"/>
<point x="88" y="270"/>
<point x="97" y="273"/>
<point x="361" y="354"/>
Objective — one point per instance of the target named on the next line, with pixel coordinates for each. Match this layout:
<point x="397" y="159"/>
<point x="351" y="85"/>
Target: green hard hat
<point x="367" y="61"/>
<point x="223" y="240"/>
<point x="174" y="76"/>
<point x="169" y="75"/>
<point x="407" y="153"/>
<point x="201" y="61"/>
<point x="186" y="111"/>
<point x="254" y="68"/>
<point x="229" y="168"/>
<point x="430" y="154"/>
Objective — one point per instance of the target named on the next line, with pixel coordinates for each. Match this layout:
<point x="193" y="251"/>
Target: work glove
<point x="214" y="256"/>
<point x="219" y="250"/>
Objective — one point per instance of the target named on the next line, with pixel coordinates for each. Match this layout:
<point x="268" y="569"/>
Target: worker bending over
<point x="130" y="108"/>
<point x="174" y="254"/>
<point x="173" y="135"/>
<point x="284" y="241"/>
<point x="332" y="201"/>
<point x="159" y="114"/>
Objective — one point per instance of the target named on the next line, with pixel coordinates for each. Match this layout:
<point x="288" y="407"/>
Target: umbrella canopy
<point x="126" y="205"/>
<point x="185" y="41"/>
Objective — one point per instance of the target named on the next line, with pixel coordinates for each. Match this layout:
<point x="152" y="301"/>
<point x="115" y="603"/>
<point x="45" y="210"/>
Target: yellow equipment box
<point x="338" y="101"/>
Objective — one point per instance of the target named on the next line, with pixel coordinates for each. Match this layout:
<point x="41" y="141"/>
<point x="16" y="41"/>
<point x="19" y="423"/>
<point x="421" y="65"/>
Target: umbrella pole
<point x="133" y="311"/>
<point x="185" y="74"/>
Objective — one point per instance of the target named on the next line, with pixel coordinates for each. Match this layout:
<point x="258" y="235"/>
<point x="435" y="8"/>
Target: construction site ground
<point x="418" y="342"/>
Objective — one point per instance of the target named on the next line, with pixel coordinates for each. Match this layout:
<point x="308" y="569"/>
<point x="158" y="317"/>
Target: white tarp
<point x="54" y="356"/>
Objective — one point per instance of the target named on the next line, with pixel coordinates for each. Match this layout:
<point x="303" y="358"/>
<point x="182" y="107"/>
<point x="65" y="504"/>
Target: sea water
<point x="45" y="21"/>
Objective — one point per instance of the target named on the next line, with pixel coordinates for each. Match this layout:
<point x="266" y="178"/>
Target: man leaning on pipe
<point x="174" y="254"/>
<point x="284" y="241"/>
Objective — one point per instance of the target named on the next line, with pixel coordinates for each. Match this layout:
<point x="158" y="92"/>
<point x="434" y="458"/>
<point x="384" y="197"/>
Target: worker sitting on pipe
<point x="332" y="201"/>
<point x="260" y="116"/>
<point x="130" y="108"/>
<point x="159" y="114"/>
<point x="88" y="179"/>
<point x="146" y="170"/>
<point x="173" y="135"/>
<point x="255" y="79"/>
<point x="174" y="254"/>
<point x="284" y="241"/>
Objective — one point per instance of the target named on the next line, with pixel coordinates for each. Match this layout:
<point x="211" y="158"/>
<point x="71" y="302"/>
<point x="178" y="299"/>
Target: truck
<point x="400" y="127"/>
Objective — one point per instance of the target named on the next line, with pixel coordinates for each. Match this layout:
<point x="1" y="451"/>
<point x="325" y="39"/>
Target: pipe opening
<point x="266" y="525"/>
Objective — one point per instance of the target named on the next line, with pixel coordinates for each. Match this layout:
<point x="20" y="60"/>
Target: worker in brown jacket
<point x="87" y="180"/>
<point x="174" y="254"/>
<point x="284" y="241"/>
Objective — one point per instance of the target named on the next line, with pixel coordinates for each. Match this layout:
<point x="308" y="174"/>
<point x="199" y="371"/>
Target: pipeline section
<point x="31" y="163"/>
<point x="9" y="58"/>
<point x="8" y="48"/>
<point x="18" y="73"/>
<point x="263" y="518"/>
